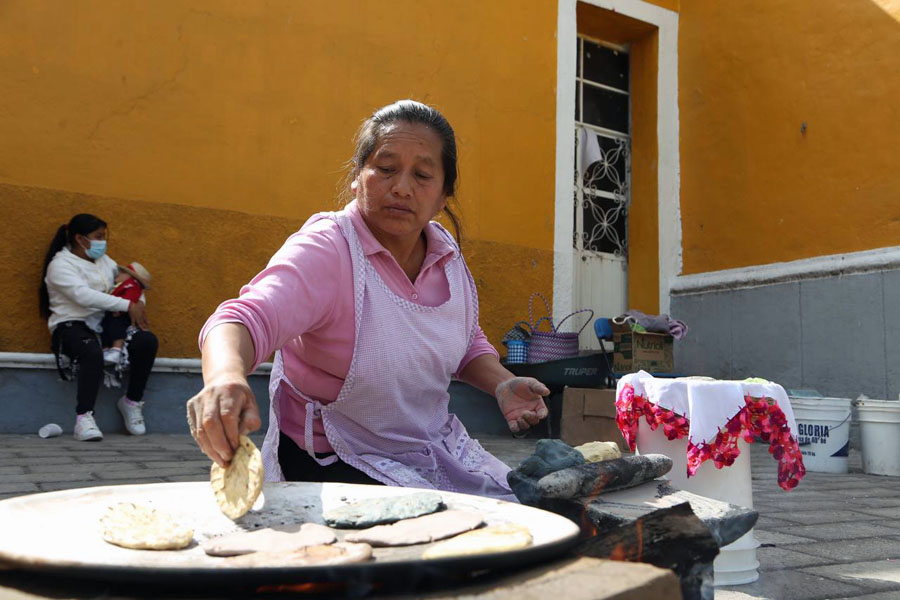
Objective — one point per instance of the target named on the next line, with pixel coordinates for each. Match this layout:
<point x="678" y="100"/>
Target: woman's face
<point x="84" y="241"/>
<point x="401" y="185"/>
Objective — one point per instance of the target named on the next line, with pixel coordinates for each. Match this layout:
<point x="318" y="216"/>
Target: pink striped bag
<point x="552" y="345"/>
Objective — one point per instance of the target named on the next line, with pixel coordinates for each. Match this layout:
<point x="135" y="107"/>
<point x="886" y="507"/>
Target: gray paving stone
<point x="875" y="596"/>
<point x="54" y="486"/>
<point x="790" y="585"/>
<point x="891" y="512"/>
<point x="790" y="506"/>
<point x="778" y="523"/>
<point x="841" y="531"/>
<point x="876" y="575"/>
<point x="836" y="515"/>
<point x="42" y="477"/>
<point x="193" y="464"/>
<point x="23" y="487"/>
<point x="779" y="558"/>
<point x="85" y="467"/>
<point x="158" y="474"/>
<point x="887" y="502"/>
<point x="46" y="460"/>
<point x="180" y="478"/>
<point x="848" y="551"/>
<point x="777" y="538"/>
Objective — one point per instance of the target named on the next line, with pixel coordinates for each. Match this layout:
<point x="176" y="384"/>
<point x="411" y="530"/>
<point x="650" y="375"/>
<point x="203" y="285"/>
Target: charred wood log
<point x="671" y="538"/>
<point x="726" y="522"/>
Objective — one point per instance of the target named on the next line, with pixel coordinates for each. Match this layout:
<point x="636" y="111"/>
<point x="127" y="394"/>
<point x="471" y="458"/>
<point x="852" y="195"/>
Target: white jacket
<point x="79" y="289"/>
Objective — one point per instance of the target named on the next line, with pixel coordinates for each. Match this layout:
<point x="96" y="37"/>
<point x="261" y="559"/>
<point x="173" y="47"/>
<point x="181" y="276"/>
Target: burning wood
<point x="672" y="538"/>
<point x="726" y="522"/>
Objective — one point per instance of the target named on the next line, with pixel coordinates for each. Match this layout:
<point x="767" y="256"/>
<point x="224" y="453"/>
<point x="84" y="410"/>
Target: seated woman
<point x="371" y="310"/>
<point x="74" y="295"/>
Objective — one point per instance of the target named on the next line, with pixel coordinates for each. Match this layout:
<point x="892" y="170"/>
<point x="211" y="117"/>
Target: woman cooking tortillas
<point x="371" y="310"/>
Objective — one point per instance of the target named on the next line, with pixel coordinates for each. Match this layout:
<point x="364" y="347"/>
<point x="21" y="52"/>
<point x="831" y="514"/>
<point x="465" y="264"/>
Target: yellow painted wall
<point x="754" y="188"/>
<point x="205" y="131"/>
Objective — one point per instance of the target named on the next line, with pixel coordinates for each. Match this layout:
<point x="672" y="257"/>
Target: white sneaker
<point x="86" y="429"/>
<point x="112" y="356"/>
<point x="132" y="413"/>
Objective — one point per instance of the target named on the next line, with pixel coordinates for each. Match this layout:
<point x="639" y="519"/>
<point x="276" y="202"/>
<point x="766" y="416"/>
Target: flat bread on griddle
<point x="271" y="539"/>
<point x="496" y="538"/>
<point x="137" y="526"/>
<point x="331" y="554"/>
<point x="376" y="511"/>
<point x="237" y="486"/>
<point x="420" y="530"/>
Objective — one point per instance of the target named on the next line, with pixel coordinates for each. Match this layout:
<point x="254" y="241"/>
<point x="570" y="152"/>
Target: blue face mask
<point x="97" y="249"/>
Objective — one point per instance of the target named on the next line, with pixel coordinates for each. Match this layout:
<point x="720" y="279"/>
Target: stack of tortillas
<point x="238" y="485"/>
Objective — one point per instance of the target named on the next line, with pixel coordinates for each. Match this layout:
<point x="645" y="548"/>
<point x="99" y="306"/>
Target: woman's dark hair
<point x="82" y="224"/>
<point x="410" y="111"/>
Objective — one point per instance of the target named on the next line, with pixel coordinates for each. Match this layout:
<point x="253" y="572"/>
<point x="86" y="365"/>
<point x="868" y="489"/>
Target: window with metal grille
<point x="603" y="142"/>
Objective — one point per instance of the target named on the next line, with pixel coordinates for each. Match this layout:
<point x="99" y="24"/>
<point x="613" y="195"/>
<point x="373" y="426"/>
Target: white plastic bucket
<point x="879" y="432"/>
<point x="824" y="433"/>
<point x="736" y="563"/>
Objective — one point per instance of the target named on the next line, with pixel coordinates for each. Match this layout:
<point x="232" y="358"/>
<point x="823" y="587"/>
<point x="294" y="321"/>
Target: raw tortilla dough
<point x="376" y="511"/>
<point x="420" y="530"/>
<point x="332" y="554"/>
<point x="497" y="538"/>
<point x="274" y="539"/>
<point x="136" y="526"/>
<point x="599" y="451"/>
<point x="238" y="486"/>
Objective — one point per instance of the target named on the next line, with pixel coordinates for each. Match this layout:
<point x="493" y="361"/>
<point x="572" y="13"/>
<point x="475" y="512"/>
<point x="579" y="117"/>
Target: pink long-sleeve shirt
<point x="302" y="303"/>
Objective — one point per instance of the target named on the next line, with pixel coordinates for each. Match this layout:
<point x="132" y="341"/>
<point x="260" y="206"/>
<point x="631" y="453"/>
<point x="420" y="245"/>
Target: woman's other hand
<point x="521" y="402"/>
<point x="138" y="314"/>
<point x="224" y="410"/>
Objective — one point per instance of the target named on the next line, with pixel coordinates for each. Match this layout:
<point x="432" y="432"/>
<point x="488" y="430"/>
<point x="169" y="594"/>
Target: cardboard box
<point x="589" y="415"/>
<point x="651" y="352"/>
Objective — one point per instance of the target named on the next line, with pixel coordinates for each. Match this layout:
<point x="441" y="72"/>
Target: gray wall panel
<point x="892" y="332"/>
<point x="706" y="350"/>
<point x="843" y="335"/>
<point x="765" y="333"/>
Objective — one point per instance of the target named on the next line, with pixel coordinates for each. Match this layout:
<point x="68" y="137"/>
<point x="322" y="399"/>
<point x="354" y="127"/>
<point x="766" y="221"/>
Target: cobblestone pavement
<point x="835" y="536"/>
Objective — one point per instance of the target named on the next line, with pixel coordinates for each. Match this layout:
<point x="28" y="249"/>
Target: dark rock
<point x="549" y="455"/>
<point x="671" y="538"/>
<point x="726" y="522"/>
<point x="592" y="479"/>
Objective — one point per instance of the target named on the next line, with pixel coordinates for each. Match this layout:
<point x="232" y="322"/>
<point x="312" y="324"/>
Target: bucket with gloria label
<point x="879" y="433"/>
<point x="823" y="427"/>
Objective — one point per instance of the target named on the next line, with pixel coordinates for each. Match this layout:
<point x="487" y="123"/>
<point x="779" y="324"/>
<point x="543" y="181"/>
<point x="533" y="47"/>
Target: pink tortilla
<point x="420" y="530"/>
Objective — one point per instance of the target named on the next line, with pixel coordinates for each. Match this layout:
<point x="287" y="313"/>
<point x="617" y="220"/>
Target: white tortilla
<point x="141" y="527"/>
<point x="238" y="486"/>
<point x="497" y="538"/>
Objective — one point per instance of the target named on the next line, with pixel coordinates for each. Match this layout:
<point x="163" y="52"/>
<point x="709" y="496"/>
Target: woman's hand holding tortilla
<point x="224" y="410"/>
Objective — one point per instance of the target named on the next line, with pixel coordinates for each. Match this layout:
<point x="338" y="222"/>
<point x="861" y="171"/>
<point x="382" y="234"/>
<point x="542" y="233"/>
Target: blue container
<point x="517" y="352"/>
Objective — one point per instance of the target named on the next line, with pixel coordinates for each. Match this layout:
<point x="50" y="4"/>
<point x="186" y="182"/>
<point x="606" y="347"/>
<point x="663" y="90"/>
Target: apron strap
<point x="314" y="409"/>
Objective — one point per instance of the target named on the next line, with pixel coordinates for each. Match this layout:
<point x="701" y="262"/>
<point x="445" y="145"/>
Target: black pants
<point x="77" y="341"/>
<point x="298" y="465"/>
<point x="115" y="327"/>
